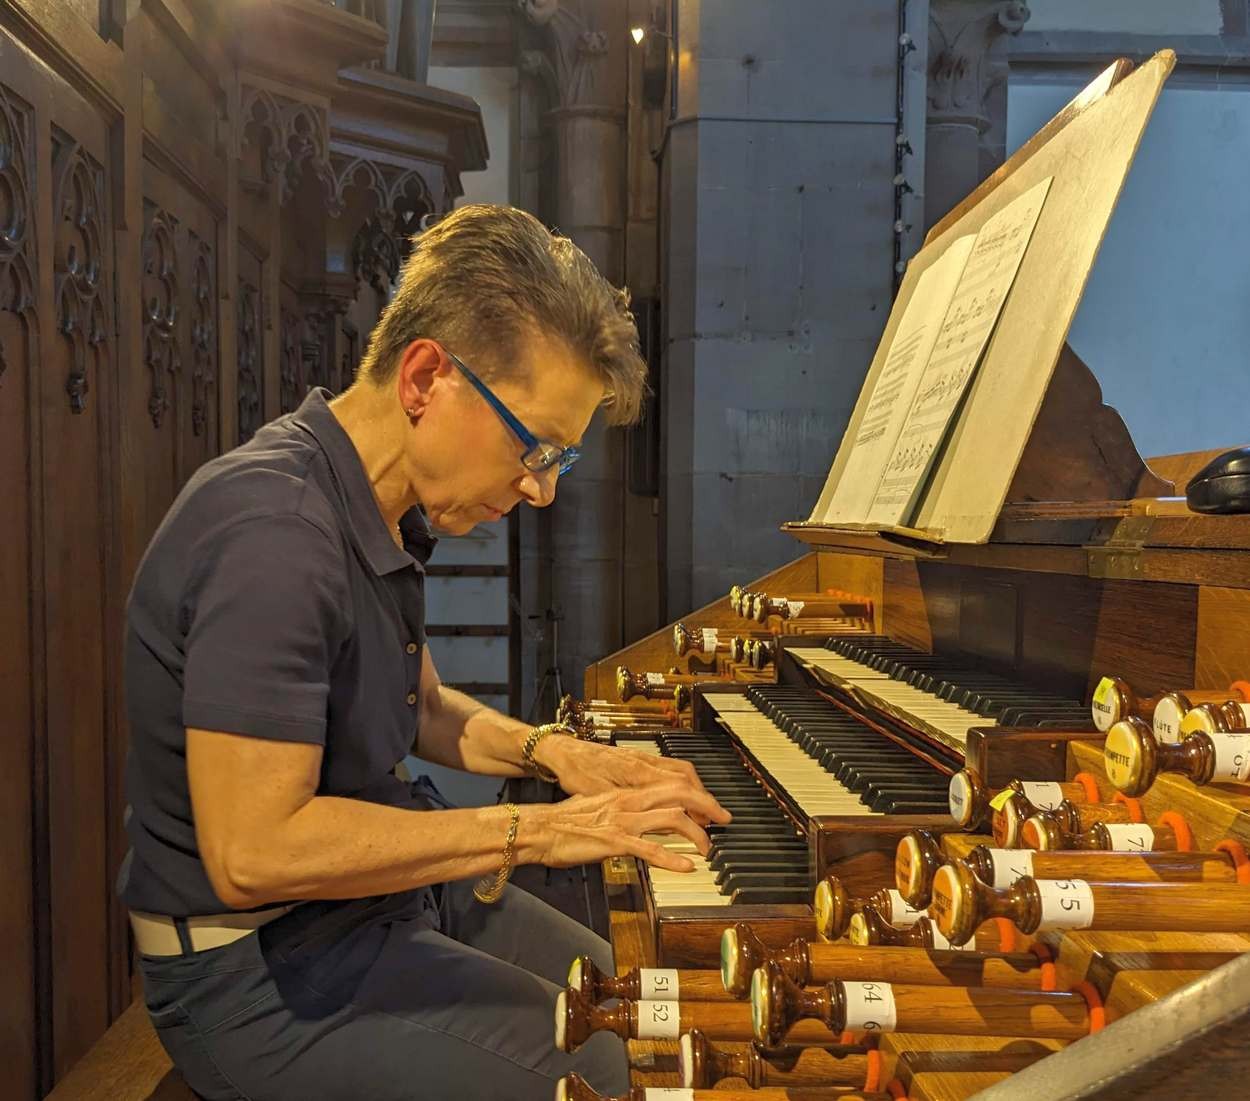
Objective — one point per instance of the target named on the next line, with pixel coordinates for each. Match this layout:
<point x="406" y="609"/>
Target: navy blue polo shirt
<point x="272" y="602"/>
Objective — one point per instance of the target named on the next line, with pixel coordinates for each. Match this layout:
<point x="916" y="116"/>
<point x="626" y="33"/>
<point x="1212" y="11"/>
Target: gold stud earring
<point x="411" y="412"/>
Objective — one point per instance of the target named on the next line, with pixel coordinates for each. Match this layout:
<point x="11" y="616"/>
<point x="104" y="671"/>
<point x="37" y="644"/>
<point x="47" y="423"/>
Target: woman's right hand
<point x="587" y="828"/>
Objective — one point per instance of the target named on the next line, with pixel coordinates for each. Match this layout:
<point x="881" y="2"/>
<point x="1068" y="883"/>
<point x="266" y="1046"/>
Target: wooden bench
<point x="127" y="1063"/>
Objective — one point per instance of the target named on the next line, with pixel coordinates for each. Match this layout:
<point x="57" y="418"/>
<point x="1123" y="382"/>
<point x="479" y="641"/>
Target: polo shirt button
<point x="411" y="647"/>
<point x="412" y="698"/>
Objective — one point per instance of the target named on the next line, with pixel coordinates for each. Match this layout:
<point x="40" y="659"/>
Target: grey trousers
<point x="384" y="999"/>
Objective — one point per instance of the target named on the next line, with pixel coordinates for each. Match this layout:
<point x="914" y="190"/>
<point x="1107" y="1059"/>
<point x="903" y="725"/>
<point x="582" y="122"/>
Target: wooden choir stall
<point x="987" y="745"/>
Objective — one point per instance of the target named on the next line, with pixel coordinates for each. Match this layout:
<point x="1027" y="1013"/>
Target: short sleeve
<point x="268" y="613"/>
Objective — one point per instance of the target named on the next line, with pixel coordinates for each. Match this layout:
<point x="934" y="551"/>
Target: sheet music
<point x="973" y="312"/>
<point x="896" y="385"/>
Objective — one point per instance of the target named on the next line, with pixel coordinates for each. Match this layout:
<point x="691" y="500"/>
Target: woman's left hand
<point x="587" y="768"/>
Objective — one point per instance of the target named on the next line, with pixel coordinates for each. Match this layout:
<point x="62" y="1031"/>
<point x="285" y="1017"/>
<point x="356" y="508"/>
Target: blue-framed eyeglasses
<point x="540" y="455"/>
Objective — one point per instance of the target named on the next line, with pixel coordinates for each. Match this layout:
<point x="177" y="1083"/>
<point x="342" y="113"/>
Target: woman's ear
<point x="421" y="363"/>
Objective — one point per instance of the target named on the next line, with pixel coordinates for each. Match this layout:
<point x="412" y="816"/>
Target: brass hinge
<point x="1120" y="558"/>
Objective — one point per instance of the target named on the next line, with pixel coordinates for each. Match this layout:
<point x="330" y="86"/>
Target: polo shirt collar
<point x="367" y="528"/>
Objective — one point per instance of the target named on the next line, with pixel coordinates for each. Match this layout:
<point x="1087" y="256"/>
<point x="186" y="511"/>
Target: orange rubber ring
<point x="897" y="1089"/>
<point x="1097" y="1014"/>
<point x="1241" y="860"/>
<point x="1090" y="784"/>
<point x="1134" y="807"/>
<point x="1184" y="835"/>
<point x="1048" y="976"/>
<point x="1242" y="688"/>
<point x="872" y="1078"/>
<point x="1007" y="935"/>
<point x="847" y="1038"/>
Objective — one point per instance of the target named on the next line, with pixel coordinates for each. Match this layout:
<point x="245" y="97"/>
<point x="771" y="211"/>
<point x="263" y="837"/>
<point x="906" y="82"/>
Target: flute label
<point x="1043" y="796"/>
<point x="1010" y="865"/>
<point x="658" y="1020"/>
<point x="869" y="1007"/>
<point x="1066" y="903"/>
<point x="657" y="983"/>
<point x="1130" y="837"/>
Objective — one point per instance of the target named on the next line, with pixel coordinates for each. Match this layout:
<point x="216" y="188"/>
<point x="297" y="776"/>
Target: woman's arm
<point x="265" y="835"/>
<point x="458" y="731"/>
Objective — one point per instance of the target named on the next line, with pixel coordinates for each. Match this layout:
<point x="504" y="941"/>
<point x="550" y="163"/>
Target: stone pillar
<point x="578" y="54"/>
<point x="966" y="130"/>
<point x="777" y="255"/>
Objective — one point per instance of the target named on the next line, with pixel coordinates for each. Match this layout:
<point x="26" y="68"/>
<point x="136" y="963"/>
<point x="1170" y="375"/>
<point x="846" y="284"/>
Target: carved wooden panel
<point x="178" y="304"/>
<point x="79" y="244"/>
<point x="79" y="387"/>
<point x="201" y="260"/>
<point x="20" y="671"/>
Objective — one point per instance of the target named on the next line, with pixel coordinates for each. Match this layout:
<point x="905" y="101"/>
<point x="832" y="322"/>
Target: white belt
<point x="157" y="934"/>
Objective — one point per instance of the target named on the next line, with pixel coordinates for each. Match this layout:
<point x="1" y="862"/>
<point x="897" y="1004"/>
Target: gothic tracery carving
<point x="249" y="360"/>
<point x="401" y="197"/>
<point x="292" y="136"/>
<point x="290" y="354"/>
<point x="78" y="279"/>
<point x="17" y="175"/>
<point x="375" y="256"/>
<point x="161" y="354"/>
<point x="203" y="333"/>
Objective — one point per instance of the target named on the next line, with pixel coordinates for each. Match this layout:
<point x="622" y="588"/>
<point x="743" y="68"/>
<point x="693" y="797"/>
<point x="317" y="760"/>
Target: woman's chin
<point x="453" y="522"/>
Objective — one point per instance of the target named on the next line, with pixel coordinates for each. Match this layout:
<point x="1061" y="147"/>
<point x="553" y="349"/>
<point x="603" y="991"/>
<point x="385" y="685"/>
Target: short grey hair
<point x="485" y="277"/>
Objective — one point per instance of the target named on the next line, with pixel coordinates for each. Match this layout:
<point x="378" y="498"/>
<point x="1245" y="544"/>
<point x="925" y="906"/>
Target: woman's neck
<point x="375" y="424"/>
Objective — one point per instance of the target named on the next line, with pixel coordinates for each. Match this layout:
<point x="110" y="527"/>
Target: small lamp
<point x="656" y="59"/>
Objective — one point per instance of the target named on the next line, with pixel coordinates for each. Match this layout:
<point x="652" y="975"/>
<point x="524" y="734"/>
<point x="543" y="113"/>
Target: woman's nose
<point x="539" y="487"/>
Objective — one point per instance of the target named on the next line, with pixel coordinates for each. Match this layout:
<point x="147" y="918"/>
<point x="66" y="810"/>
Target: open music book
<point x="974" y="350"/>
<point x="931" y="361"/>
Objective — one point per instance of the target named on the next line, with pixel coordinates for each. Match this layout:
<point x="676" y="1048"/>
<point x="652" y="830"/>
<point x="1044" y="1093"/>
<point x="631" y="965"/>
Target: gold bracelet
<point x="531" y="743"/>
<point x="490" y="887"/>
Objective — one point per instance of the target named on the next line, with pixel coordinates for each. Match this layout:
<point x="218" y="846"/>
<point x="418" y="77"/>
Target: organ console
<point x="1016" y="688"/>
